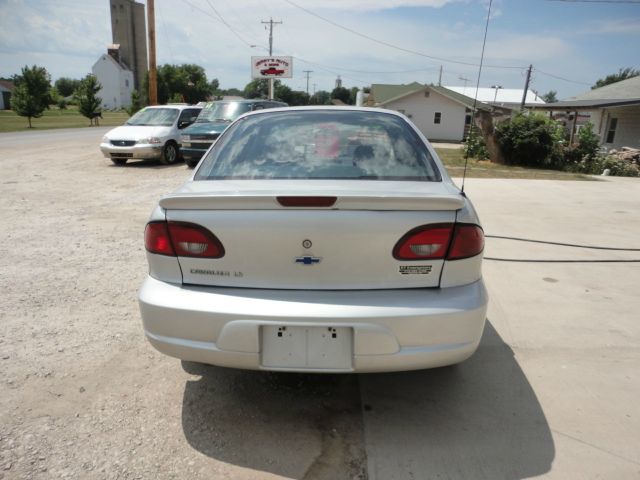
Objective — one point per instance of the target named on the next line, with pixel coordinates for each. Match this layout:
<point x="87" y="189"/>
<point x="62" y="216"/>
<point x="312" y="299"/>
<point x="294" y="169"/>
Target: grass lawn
<point x="56" y="118"/>
<point x="453" y="159"/>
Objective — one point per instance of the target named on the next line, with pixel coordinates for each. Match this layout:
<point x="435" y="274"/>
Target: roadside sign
<point x="271" y="67"/>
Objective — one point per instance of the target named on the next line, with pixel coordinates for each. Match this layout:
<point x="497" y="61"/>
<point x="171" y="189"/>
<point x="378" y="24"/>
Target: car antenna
<point x="475" y="98"/>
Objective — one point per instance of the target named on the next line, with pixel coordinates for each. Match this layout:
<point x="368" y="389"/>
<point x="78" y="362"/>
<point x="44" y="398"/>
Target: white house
<point x="6" y="89"/>
<point x="116" y="80"/>
<point x="439" y="113"/>
<point x="614" y="111"/>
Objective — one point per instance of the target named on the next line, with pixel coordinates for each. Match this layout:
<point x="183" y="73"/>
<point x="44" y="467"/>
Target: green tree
<point x="136" y="103"/>
<point x="187" y="82"/>
<point x="341" y="93"/>
<point x="215" y="86"/>
<point x="292" y="97"/>
<point x="321" y="97"/>
<point x="231" y="91"/>
<point x="66" y="86"/>
<point x="86" y="94"/>
<point x="32" y="93"/>
<point x="259" y="88"/>
<point x="550" y="96"/>
<point x="622" y="74"/>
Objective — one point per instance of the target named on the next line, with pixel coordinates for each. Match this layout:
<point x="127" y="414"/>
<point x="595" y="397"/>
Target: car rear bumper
<point x="189" y="153"/>
<point x="392" y="330"/>
<point x="144" y="151"/>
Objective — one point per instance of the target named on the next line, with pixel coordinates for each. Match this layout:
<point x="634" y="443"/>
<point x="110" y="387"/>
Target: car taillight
<point x="182" y="239"/>
<point x="468" y="241"/>
<point x="442" y="240"/>
<point x="423" y="243"/>
<point x="156" y="239"/>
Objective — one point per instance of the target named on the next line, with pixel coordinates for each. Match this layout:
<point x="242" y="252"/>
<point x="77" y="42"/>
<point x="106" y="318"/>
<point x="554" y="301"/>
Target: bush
<point x="474" y="145"/>
<point x="616" y="167"/>
<point x="530" y="140"/>
<point x="584" y="156"/>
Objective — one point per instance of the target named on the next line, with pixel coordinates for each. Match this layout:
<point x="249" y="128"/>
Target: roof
<point x="7" y="85"/>
<point x="120" y="65"/>
<point x="587" y="104"/>
<point x="499" y="95"/>
<point x="623" y="90"/>
<point x="384" y="94"/>
<point x="177" y="106"/>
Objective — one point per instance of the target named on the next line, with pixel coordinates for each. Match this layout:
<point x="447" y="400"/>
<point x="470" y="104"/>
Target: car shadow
<point x="294" y="425"/>
<point x="480" y="419"/>
<point x="155" y="164"/>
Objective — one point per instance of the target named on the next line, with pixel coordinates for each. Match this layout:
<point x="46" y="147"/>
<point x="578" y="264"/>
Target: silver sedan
<point x="316" y="239"/>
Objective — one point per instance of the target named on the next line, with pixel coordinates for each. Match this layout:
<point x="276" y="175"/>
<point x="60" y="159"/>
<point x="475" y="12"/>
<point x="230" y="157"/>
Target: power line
<point x="561" y="78"/>
<point x="390" y="45"/>
<point x="631" y="2"/>
<point x="226" y="24"/>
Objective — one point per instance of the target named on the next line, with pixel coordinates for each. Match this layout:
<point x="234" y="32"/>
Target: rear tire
<point x="191" y="163"/>
<point x="169" y="154"/>
<point x="119" y="161"/>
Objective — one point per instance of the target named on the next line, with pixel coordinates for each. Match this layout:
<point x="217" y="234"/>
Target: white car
<point x="152" y="133"/>
<point x="316" y="239"/>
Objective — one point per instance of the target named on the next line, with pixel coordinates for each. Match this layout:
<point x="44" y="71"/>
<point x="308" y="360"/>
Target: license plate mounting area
<point x="302" y="347"/>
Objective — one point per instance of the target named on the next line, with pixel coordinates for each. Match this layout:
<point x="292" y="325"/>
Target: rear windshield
<point x="309" y="144"/>
<point x="154" y="117"/>
<point x="223" y="111"/>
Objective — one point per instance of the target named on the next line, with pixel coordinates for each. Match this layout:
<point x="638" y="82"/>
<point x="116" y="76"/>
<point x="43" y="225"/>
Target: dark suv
<point x="212" y="121"/>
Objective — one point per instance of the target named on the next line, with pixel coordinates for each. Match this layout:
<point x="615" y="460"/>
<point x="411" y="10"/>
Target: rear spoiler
<point x="187" y="201"/>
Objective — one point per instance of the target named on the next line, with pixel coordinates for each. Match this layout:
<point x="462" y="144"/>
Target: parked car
<point x="214" y="118"/>
<point x="316" y="239"/>
<point x="152" y="133"/>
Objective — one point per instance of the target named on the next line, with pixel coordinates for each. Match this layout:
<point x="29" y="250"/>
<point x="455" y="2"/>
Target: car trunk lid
<point x="347" y="243"/>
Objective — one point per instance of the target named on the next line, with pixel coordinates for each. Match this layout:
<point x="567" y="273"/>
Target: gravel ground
<point x="551" y="393"/>
<point x="83" y="394"/>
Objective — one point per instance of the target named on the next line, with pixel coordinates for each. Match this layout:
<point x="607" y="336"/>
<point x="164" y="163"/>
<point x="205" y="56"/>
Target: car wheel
<point x="191" y="163"/>
<point x="169" y="154"/>
<point x="119" y="161"/>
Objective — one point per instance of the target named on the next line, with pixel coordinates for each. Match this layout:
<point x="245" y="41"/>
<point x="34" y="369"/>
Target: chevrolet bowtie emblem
<point x="307" y="260"/>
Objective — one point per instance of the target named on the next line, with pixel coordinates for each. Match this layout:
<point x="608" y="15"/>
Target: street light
<point x="497" y="87"/>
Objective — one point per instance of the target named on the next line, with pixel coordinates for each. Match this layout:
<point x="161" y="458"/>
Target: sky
<point x="570" y="43"/>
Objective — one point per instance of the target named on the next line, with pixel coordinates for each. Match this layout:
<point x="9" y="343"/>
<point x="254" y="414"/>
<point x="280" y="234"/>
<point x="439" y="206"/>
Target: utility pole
<point x="526" y="87"/>
<point x="153" y="72"/>
<point x="307" y="72"/>
<point x="440" y="77"/>
<point x="271" y="24"/>
<point x="465" y="80"/>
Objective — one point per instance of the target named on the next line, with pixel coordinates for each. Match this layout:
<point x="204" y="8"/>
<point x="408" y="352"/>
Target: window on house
<point x="611" y="133"/>
<point x="437" y="118"/>
<point x="126" y="82"/>
<point x="426" y="94"/>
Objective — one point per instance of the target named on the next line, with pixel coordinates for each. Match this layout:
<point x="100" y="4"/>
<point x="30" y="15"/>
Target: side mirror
<point x="183" y="123"/>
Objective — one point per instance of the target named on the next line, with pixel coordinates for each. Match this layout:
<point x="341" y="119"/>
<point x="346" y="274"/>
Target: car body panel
<point x="129" y="141"/>
<point x="400" y="329"/>
<point x="315" y="289"/>
<point x="198" y="137"/>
